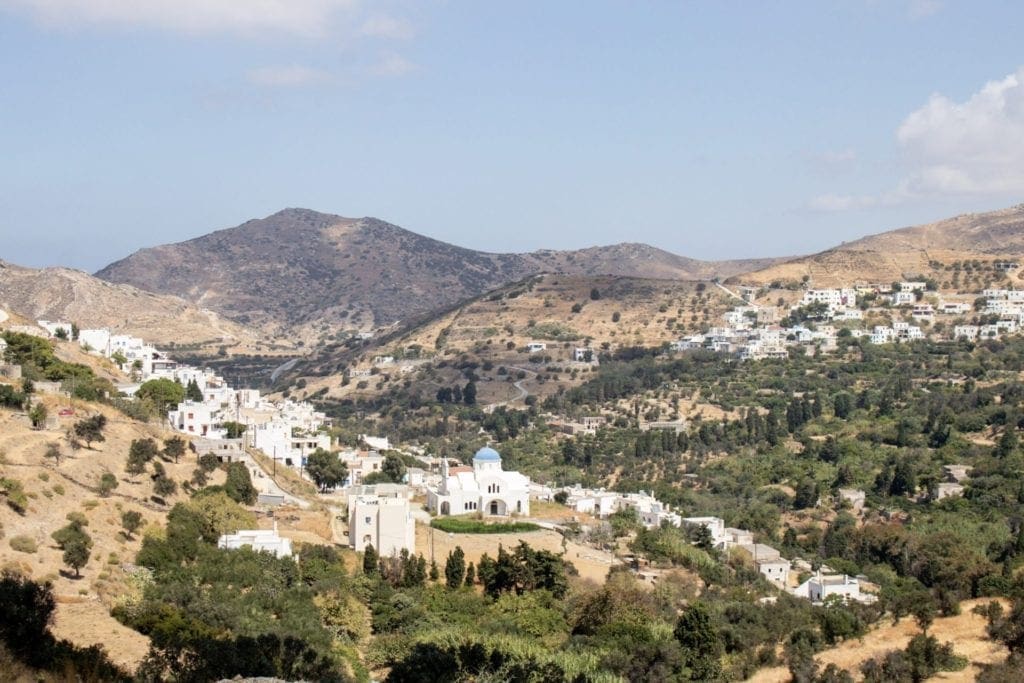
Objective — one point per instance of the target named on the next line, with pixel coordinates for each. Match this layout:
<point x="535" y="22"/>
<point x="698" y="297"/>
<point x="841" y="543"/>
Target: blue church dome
<point x="487" y="454"/>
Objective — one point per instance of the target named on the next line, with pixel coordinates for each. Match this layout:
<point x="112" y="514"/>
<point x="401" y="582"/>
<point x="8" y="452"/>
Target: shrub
<point x="15" y="495"/>
<point x="23" y="544"/>
<point x="457" y="525"/>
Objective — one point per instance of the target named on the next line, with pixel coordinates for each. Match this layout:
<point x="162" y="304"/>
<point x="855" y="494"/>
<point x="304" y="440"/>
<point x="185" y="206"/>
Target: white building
<point x="199" y="419"/>
<point x="768" y="561"/>
<point x="260" y="540"/>
<point x="954" y="308"/>
<point x="855" y="497"/>
<point x="968" y="332"/>
<point x="278" y="440"/>
<point x="96" y="339"/>
<point x="599" y="503"/>
<point x="484" y="488"/>
<point x="53" y="328"/>
<point x="948" y="490"/>
<point x="380" y="516"/>
<point x="377" y="443"/>
<point x="902" y="298"/>
<point x="716" y="525"/>
<point x="651" y="512"/>
<point x="820" y="587"/>
<point x="534" y="347"/>
<point x="584" y="355"/>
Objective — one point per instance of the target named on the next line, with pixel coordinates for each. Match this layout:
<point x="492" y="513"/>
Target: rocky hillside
<point x="561" y="311"/>
<point x="300" y="269"/>
<point x="65" y="294"/>
<point x="922" y="250"/>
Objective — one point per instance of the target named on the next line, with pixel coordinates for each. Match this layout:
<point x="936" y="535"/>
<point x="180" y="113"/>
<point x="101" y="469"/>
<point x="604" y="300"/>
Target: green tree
<point x="131" y="521"/>
<point x="234" y="429"/>
<point x="143" y="449"/>
<point x="193" y="392"/>
<point x="53" y="451"/>
<point x="455" y="568"/>
<point x="701" y="643"/>
<point x="91" y="429"/>
<point x="164" y="486"/>
<point x="371" y="561"/>
<point x="393" y="468"/>
<point x="135" y="465"/>
<point x="326" y="469"/>
<point x="165" y="393"/>
<point x="1007" y="442"/>
<point x="174" y="448"/>
<point x="108" y="482"/>
<point x="469" y="393"/>
<point x="38" y="415"/>
<point x="842" y="405"/>
<point x="238" y="484"/>
<point x="806" y="494"/>
<point x="76" y="555"/>
<point x="470" y="574"/>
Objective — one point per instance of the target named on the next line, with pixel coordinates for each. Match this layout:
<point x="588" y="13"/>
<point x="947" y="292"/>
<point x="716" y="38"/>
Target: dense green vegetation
<point x="39" y="362"/>
<point x="462" y="525"/>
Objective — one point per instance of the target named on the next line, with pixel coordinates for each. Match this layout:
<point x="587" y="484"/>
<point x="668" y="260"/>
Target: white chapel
<point x="484" y="488"/>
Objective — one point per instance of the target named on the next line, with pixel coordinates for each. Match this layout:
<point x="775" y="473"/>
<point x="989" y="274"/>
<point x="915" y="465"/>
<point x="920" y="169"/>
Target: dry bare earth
<point x="966" y="631"/>
<point x="54" y="491"/>
<point x="905" y="252"/>
<point x="65" y="294"/>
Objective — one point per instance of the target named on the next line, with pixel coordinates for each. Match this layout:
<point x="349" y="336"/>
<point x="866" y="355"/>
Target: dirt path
<point x="966" y="631"/>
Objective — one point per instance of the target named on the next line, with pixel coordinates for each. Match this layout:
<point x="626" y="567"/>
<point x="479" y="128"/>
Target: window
<point x="368" y="519"/>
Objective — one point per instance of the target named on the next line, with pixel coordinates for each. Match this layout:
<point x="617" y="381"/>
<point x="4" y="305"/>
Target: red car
<point x="65" y="412"/>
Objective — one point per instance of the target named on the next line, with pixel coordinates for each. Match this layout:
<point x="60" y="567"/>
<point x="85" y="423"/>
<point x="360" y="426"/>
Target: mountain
<point x="918" y="251"/>
<point x="65" y="294"/>
<point x="301" y="269"/>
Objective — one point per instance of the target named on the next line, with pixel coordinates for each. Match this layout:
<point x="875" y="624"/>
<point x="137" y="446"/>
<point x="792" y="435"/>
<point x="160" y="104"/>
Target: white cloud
<point x="969" y="148"/>
<point x="384" y="26"/>
<point x="287" y="76"/>
<point x="246" y="17"/>
<point x="392" y="64"/>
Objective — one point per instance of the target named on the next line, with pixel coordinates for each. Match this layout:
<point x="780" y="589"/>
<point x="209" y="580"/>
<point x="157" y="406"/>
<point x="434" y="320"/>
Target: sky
<point x="711" y="129"/>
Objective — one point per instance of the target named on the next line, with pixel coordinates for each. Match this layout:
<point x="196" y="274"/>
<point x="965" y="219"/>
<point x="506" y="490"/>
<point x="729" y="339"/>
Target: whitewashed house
<point x="820" y="587"/>
<point x="259" y="540"/>
<point x="380" y="516"/>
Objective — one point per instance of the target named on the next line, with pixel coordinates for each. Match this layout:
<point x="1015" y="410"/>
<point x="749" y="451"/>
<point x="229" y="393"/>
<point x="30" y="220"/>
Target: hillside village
<point x="378" y="494"/>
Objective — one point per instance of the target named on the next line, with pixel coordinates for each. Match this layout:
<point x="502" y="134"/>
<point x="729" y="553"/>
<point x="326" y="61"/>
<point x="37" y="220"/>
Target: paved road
<point x="523" y="393"/>
<point x="264" y="483"/>
<point x="733" y="294"/>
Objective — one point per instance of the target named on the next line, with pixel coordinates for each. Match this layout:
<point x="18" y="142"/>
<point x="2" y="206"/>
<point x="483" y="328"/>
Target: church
<point x="484" y="488"/>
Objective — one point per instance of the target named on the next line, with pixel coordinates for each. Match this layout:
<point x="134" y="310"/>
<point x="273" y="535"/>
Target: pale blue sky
<point x="712" y="129"/>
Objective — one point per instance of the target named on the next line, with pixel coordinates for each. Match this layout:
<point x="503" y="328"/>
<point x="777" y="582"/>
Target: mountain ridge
<point x="299" y="268"/>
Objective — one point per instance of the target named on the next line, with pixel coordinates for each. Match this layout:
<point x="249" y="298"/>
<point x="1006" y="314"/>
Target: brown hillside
<point x="65" y="294"/>
<point x="308" y="272"/>
<point x="650" y="312"/>
<point x="922" y="250"/>
<point x="55" y="490"/>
